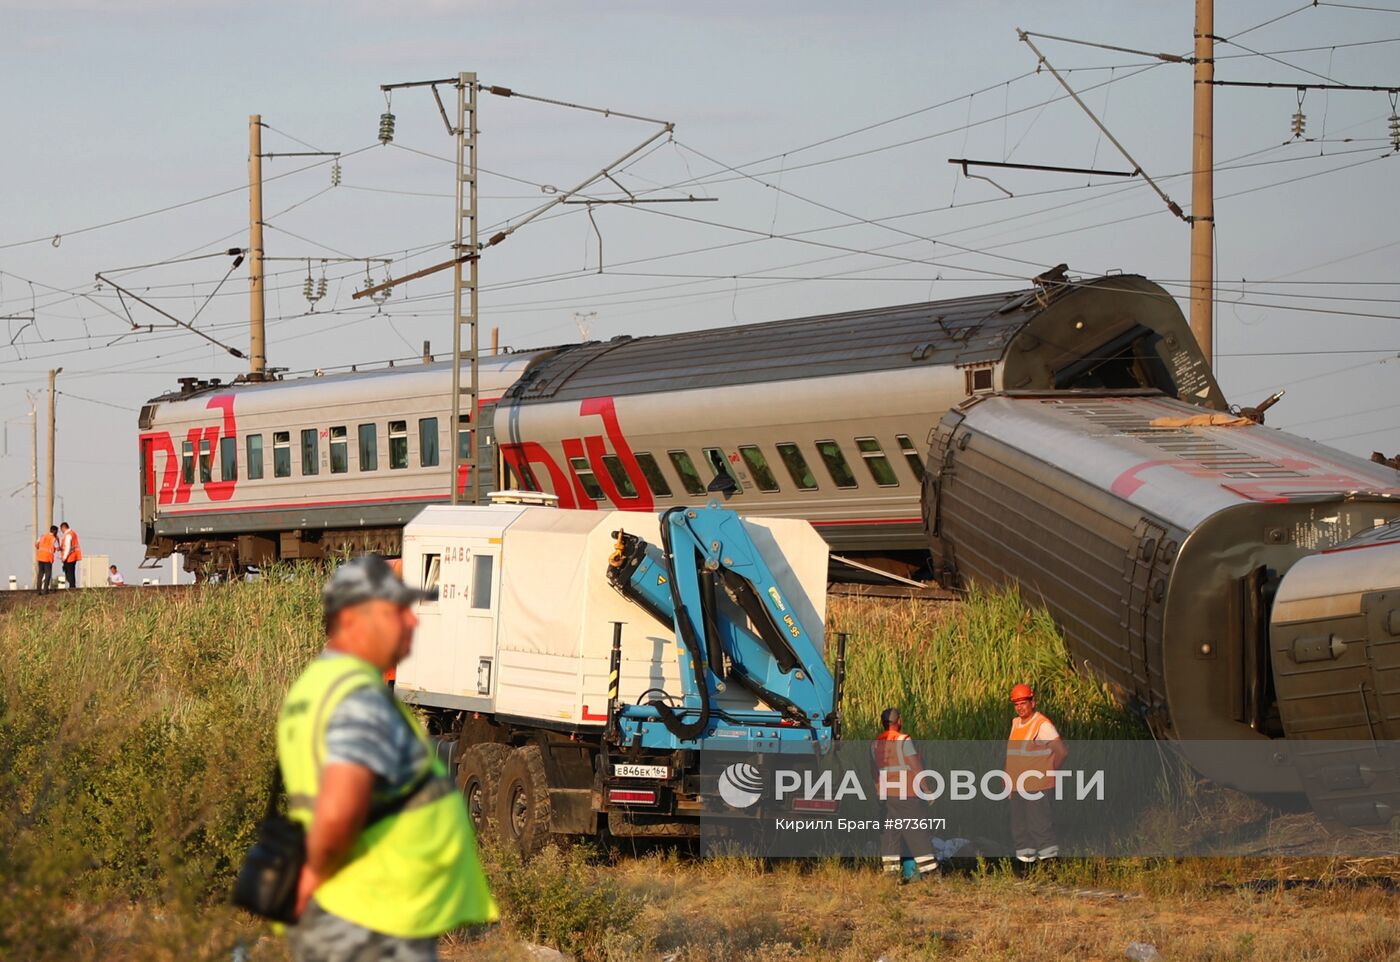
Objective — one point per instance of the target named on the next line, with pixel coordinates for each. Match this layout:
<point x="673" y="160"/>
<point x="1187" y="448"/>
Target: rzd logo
<point x="740" y="785"/>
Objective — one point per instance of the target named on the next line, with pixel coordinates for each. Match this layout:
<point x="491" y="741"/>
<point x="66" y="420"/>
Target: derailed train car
<point x="1213" y="575"/>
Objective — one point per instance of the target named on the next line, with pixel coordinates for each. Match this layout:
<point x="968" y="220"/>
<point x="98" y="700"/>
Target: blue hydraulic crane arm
<point x="708" y="564"/>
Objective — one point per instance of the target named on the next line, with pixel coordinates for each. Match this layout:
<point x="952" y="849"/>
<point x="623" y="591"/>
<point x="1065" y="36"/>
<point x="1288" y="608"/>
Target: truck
<point x="579" y="662"/>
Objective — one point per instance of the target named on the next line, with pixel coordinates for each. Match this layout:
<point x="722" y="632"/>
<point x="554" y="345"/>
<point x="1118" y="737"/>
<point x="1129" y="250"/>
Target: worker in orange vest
<point x="71" y="552"/>
<point x="1034" y="749"/>
<point x="908" y="849"/>
<point x="44" y="550"/>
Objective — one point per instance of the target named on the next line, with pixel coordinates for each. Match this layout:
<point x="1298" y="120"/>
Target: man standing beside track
<point x="1034" y="748"/>
<point x="391" y="861"/>
<point x="908" y="846"/>
<point x="71" y="552"/>
<point x="44" y="550"/>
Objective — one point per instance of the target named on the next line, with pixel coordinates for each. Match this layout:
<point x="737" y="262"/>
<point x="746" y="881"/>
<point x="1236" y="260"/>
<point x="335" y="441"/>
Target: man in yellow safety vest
<point x="1034" y="749"/>
<point x="391" y="860"/>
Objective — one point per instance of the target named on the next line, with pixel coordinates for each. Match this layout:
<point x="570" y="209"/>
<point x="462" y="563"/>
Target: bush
<point x="137" y="743"/>
<point x="560" y="899"/>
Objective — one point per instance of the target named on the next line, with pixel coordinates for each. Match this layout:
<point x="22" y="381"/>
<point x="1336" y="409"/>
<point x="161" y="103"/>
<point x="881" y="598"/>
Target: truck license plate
<point x="640" y="771"/>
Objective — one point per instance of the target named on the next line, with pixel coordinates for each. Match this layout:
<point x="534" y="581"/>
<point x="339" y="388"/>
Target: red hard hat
<point x="1021" y="692"/>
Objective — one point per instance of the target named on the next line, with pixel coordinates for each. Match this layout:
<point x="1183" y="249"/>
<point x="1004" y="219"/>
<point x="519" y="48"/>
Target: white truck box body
<point x="538" y="647"/>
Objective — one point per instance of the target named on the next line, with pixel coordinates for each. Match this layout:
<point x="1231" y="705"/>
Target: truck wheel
<point x="479" y="778"/>
<point x="522" y="802"/>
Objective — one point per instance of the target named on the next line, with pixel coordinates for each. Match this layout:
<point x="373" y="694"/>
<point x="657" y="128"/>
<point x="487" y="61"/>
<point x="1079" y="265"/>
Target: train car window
<point x="427" y="442"/>
<point x="369" y="447"/>
<point x="796" y="465"/>
<point x="911" y="454"/>
<point x="877" y="463"/>
<point x="482" y="565"/>
<point x="310" y="453"/>
<point x="432" y="572"/>
<point x="719" y="463"/>
<point x="584" y="471"/>
<point x="282" y="454"/>
<point x="690" y="478"/>
<point x="979" y="380"/>
<point x="398" y="445"/>
<point x="187" y="463"/>
<point x="618" y="473"/>
<point x="340" y="450"/>
<point x="836" y="464"/>
<point x="652" y="472"/>
<point x="255" y="457"/>
<point x="228" y="459"/>
<point x="758" y="467"/>
<point x="464" y="437"/>
<point x="206" y="462"/>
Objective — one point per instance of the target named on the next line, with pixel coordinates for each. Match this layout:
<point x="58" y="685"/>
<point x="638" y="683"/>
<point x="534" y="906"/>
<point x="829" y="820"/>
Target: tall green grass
<point x="949" y="669"/>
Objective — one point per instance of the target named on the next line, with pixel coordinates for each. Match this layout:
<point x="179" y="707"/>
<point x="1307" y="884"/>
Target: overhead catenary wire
<point x="74" y="232"/>
<point x="853" y="254"/>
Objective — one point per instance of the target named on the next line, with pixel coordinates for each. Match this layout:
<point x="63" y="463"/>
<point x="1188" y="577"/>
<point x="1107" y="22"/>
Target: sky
<point x="815" y="134"/>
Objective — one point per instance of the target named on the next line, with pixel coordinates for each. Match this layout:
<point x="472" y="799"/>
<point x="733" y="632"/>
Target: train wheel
<point x="522" y="802"/>
<point x="479" y="778"/>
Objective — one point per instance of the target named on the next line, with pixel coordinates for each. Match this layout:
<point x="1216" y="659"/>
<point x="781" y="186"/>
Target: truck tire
<point x="522" y="801"/>
<point x="479" y="779"/>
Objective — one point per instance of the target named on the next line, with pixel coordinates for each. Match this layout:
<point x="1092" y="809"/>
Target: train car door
<point x="148" y="476"/>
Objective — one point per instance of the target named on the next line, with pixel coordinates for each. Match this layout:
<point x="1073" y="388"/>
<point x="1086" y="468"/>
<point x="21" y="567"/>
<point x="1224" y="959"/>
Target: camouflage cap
<point x="367" y="579"/>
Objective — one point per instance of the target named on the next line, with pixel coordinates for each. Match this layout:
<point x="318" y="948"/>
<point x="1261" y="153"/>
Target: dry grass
<point x="741" y="912"/>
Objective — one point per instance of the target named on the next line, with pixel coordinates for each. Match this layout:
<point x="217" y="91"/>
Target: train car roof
<point x="1182" y="473"/>
<point x="368" y="375"/>
<point x="964" y="330"/>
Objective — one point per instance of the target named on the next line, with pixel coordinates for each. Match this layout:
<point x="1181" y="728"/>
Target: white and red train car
<point x="824" y="418"/>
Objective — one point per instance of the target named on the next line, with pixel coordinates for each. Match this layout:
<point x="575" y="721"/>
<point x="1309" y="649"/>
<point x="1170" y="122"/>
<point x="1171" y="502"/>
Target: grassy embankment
<point x="135" y="744"/>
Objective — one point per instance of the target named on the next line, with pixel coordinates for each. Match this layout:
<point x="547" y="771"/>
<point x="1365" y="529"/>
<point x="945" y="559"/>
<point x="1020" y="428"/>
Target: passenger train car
<point x="1234" y="582"/>
<point x="824" y="418"/>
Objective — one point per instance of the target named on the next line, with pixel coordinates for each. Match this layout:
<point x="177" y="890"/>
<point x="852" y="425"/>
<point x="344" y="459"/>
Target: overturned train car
<point x="1231" y="582"/>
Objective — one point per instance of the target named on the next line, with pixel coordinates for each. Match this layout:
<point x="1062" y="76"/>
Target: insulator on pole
<point x="306" y="289"/>
<point x="386" y="128"/>
<point x="321" y="287"/>
<point x="335" y="174"/>
<point x="1394" y="121"/>
<point x="1300" y="122"/>
<point x="380" y="296"/>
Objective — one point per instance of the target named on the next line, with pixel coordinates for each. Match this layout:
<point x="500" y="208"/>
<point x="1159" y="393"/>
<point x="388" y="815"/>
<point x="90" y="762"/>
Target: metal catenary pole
<point x="1203" y="184"/>
<point x="467" y="447"/>
<point x="257" y="332"/>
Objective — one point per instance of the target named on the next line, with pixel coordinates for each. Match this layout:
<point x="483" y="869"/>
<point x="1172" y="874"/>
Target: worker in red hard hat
<point x="1033" y="750"/>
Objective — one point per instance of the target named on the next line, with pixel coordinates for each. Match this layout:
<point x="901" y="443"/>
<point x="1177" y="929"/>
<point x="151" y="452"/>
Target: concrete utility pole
<point x="1203" y="184"/>
<point x="53" y="434"/>
<point x="257" y="334"/>
<point x="34" y="462"/>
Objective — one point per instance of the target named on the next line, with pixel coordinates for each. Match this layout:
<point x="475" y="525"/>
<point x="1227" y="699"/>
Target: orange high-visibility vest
<point x="44" y="548"/>
<point x="1025" y="754"/>
<point x="894" y="752"/>
<point x="75" y="550"/>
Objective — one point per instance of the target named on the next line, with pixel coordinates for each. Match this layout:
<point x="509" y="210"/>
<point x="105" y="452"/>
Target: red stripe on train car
<point x="310" y="504"/>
